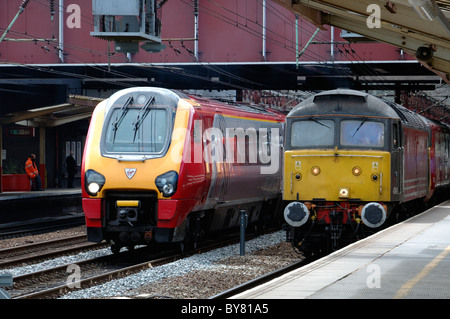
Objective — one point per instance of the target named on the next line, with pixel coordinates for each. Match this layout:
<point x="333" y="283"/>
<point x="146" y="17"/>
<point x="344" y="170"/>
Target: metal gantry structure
<point x="419" y="27"/>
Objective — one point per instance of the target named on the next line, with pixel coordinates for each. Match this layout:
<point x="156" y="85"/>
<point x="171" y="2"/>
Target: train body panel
<point x="439" y="150"/>
<point x="356" y="176"/>
<point x="415" y="164"/>
<point x="159" y="165"/>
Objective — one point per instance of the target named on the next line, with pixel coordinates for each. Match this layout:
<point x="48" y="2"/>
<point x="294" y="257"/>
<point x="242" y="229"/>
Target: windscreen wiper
<point x="143" y="112"/>
<point x="123" y="111"/>
<point x="359" y="126"/>
<point x="318" y="122"/>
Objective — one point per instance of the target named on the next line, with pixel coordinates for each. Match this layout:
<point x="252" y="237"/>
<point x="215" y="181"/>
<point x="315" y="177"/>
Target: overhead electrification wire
<point x="235" y="22"/>
<point x="22" y="7"/>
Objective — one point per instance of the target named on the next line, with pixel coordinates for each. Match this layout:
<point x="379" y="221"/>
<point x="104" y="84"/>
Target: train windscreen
<point x="135" y="130"/>
<point x="312" y="133"/>
<point x="362" y="132"/>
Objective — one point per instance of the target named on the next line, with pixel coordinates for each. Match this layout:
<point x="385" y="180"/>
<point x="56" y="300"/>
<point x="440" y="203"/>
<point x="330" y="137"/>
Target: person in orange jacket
<point x="32" y="171"/>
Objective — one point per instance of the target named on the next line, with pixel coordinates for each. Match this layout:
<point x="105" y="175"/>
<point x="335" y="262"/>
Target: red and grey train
<point x="161" y="166"/>
<point x="351" y="160"/>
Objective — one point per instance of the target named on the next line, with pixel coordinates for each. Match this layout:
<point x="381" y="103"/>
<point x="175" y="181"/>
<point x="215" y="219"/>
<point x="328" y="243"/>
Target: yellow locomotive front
<point x="337" y="167"/>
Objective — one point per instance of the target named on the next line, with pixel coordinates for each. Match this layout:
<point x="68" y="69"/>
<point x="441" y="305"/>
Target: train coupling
<point x="127" y="210"/>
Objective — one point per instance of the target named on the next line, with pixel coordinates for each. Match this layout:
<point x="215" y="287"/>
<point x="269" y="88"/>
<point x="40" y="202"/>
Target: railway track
<point x="34" y="252"/>
<point x="20" y="228"/>
<point x="54" y="282"/>
<point x="57" y="281"/>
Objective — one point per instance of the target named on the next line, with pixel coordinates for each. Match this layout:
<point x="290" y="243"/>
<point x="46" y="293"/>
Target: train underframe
<point x="332" y="225"/>
<point x="131" y="219"/>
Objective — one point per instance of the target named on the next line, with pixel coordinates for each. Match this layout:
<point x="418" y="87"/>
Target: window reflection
<point x="148" y="137"/>
<point x="362" y="133"/>
<point x="312" y="132"/>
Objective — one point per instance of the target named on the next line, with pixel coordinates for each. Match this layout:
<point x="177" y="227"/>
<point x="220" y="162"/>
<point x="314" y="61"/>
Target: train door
<point x="396" y="161"/>
<point x="219" y="169"/>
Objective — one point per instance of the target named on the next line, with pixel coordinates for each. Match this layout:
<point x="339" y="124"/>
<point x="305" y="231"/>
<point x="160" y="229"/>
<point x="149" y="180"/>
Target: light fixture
<point x="93" y="182"/>
<point x="426" y="9"/>
<point x="167" y="183"/>
<point x="141" y="99"/>
<point x="356" y="171"/>
<point x="315" y="170"/>
<point x="344" y="192"/>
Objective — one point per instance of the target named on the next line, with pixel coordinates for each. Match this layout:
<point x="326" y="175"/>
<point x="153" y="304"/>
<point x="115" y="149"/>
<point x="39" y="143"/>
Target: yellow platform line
<point x="406" y="288"/>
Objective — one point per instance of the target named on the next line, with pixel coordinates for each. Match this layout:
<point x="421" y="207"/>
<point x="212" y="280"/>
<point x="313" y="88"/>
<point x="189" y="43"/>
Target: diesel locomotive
<point x="351" y="161"/>
<point x="162" y="166"/>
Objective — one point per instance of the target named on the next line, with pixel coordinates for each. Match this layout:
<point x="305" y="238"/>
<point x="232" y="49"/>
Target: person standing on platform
<point x="32" y="171"/>
<point x="71" y="169"/>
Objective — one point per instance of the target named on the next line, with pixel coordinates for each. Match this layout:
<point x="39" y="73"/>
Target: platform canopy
<point x="419" y="27"/>
<point x="77" y="108"/>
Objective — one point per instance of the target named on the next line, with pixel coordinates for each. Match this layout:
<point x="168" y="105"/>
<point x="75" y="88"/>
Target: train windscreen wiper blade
<point x="143" y="112"/>
<point x="318" y="122"/>
<point x="359" y="126"/>
<point x="123" y="111"/>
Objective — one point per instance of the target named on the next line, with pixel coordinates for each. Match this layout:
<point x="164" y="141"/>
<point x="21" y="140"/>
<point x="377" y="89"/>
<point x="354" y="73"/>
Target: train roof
<point x="352" y="102"/>
<point x="168" y="96"/>
<point x="343" y="101"/>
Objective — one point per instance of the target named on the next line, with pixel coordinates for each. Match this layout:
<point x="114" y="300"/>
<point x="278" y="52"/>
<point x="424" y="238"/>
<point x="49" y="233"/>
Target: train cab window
<point x="312" y="132"/>
<point x="362" y="132"/>
<point x="137" y="132"/>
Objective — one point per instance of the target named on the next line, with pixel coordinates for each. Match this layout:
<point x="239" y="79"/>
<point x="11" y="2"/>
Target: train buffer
<point x="6" y="280"/>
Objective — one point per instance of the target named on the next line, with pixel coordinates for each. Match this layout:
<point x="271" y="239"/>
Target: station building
<point x="59" y="58"/>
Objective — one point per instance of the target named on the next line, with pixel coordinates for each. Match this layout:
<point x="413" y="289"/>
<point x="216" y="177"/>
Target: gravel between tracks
<point x="199" y="276"/>
<point x="202" y="275"/>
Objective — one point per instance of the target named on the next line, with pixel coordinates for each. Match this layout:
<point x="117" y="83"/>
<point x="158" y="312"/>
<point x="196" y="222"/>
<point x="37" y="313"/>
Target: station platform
<point x="18" y="206"/>
<point x="409" y="260"/>
<point x="49" y="192"/>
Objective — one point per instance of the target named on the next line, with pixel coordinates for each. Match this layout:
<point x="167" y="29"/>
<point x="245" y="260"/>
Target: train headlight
<point x="356" y="171"/>
<point x="167" y="183"/>
<point x="344" y="192"/>
<point x="141" y="99"/>
<point x="93" y="182"/>
<point x="315" y="170"/>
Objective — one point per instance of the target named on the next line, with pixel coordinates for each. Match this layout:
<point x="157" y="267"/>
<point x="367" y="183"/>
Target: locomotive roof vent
<point x="340" y="97"/>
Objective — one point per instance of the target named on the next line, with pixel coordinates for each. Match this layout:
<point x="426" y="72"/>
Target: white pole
<point x="61" y="31"/>
<point x="196" y="30"/>
<point x="264" y="31"/>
